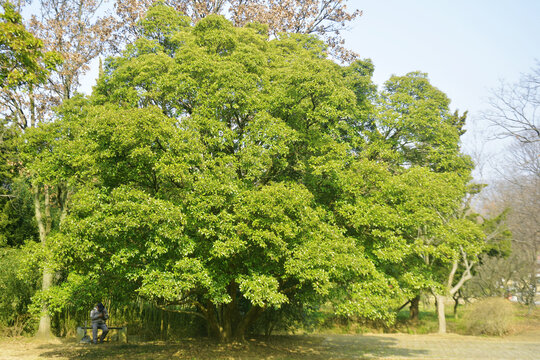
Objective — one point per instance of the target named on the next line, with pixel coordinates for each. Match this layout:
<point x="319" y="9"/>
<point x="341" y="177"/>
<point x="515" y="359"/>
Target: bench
<point x="120" y="335"/>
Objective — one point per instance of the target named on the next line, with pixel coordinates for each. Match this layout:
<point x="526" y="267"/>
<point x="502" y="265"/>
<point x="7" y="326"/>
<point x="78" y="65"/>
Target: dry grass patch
<point x="493" y="316"/>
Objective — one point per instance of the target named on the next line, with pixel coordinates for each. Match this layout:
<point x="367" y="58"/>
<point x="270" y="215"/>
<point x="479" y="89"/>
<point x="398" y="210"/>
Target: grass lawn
<point x="406" y="340"/>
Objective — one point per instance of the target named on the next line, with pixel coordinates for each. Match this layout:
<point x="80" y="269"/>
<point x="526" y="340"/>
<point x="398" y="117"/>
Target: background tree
<point x="461" y="241"/>
<point x="513" y="108"/>
<point x="24" y="66"/>
<point x="79" y="30"/>
<point x="415" y="121"/>
<point x="514" y="114"/>
<point x="325" y="18"/>
<point x="73" y="31"/>
<point x="22" y="57"/>
<point x="519" y="196"/>
<point x="415" y="128"/>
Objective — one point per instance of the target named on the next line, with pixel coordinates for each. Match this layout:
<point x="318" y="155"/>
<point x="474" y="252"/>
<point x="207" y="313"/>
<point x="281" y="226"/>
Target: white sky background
<point x="466" y="47"/>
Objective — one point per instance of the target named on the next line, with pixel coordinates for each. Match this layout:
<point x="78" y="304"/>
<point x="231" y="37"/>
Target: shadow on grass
<point x="367" y="347"/>
<point x="276" y="347"/>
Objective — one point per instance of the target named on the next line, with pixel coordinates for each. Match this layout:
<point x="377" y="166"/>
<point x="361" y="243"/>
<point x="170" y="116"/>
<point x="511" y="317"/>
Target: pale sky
<point x="466" y="47"/>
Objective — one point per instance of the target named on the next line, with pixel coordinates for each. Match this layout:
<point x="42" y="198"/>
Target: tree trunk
<point x="533" y="284"/>
<point x="164" y="325"/>
<point x="456" y="303"/>
<point x="212" y="323"/>
<point x="229" y="327"/>
<point x="414" y="310"/>
<point x="440" y="313"/>
<point x="249" y="318"/>
<point x="44" y="222"/>
<point x="32" y="108"/>
<point x="44" y="330"/>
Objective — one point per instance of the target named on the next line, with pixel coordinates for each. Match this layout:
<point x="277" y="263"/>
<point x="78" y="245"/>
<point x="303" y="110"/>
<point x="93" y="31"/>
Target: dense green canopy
<point x="226" y="173"/>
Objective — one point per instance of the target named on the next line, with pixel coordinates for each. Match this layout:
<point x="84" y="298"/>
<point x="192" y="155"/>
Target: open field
<point x="335" y="346"/>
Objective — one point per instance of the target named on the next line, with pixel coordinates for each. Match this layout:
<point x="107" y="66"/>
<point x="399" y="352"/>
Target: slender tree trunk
<point x="44" y="222"/>
<point x="164" y="325"/>
<point x="452" y="290"/>
<point x="230" y="314"/>
<point x="533" y="284"/>
<point x="44" y="330"/>
<point x="33" y="122"/>
<point x="440" y="313"/>
<point x="456" y="298"/>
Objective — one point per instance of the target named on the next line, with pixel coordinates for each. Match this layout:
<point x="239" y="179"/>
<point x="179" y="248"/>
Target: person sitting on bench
<point x="99" y="315"/>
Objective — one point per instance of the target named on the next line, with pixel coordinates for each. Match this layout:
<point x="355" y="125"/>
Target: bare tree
<point x="514" y="112"/>
<point x="522" y="197"/>
<point x="74" y="29"/>
<point x="516" y="274"/>
<point x="514" y="108"/>
<point x="326" y="18"/>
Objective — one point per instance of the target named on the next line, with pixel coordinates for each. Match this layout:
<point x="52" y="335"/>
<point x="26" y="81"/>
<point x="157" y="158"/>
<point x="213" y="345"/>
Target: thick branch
<point x="164" y="308"/>
<point x="466" y="273"/>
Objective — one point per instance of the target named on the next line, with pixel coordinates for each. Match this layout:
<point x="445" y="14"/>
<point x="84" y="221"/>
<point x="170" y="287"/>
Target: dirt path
<point x="317" y="347"/>
<point x="402" y="346"/>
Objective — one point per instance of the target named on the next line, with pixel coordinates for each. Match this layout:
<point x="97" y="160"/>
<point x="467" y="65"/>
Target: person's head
<point x="100" y="306"/>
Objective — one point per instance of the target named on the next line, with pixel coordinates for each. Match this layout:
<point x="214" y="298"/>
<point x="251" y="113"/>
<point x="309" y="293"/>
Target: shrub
<point x="492" y="316"/>
<point x="15" y="294"/>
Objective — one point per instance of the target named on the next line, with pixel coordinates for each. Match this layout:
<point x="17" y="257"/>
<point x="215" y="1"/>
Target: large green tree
<point x="222" y="173"/>
<point x="196" y="161"/>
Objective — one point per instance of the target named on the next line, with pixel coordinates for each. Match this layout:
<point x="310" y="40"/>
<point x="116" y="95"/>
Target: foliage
<point x="229" y="174"/>
<point x="226" y="174"/>
<point x="325" y="18"/>
<point x="191" y="191"/>
<point x="416" y="128"/>
<point x="17" y="224"/>
<point x="414" y="119"/>
<point x="22" y="58"/>
<point x="16" y="292"/>
<point x="24" y="64"/>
